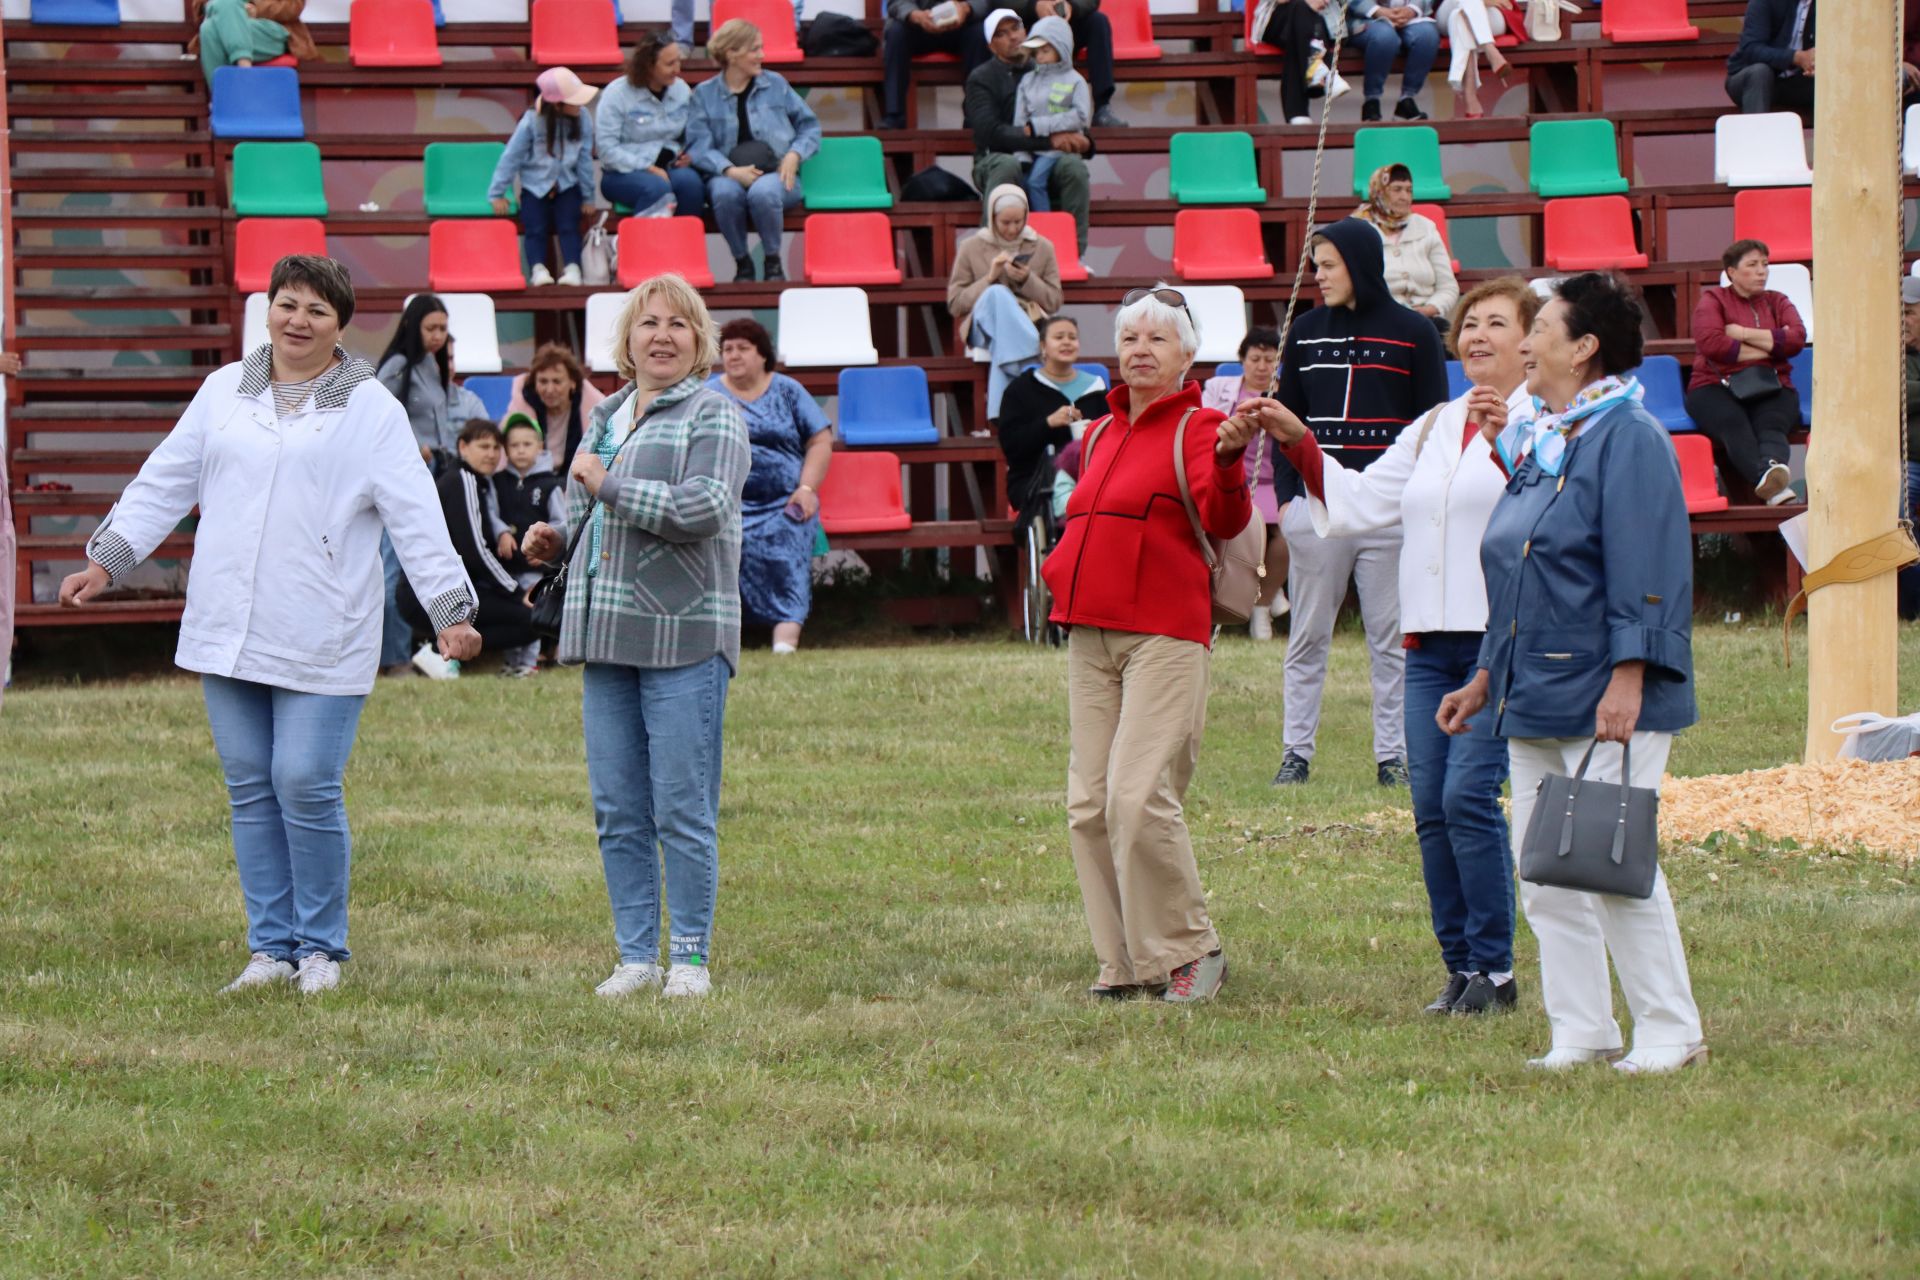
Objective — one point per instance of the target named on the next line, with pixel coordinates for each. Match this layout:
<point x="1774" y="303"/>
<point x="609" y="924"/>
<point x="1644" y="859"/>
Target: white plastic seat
<point x="1794" y="280"/>
<point x="326" y="11"/>
<point x="825" y="327"/>
<point x="253" y="330"/>
<point x="1542" y="286"/>
<point x="1767" y="150"/>
<point x="603" y="315"/>
<point x="1910" y="146"/>
<point x="1220" y="313"/>
<point x="476" y="334"/>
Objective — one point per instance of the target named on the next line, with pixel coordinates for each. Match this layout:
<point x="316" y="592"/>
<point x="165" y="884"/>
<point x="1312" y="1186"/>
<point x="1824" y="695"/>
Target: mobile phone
<point x="796" y="512"/>
<point x="1022" y="259"/>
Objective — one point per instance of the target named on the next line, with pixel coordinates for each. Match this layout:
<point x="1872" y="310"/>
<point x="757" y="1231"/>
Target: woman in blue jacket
<point x="1589" y="568"/>
<point x="641" y="126"/>
<point x="748" y="132"/>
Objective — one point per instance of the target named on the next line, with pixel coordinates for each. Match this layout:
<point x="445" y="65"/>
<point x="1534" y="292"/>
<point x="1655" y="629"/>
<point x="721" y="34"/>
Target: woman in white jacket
<point x="297" y="458"/>
<point x="1438" y="483"/>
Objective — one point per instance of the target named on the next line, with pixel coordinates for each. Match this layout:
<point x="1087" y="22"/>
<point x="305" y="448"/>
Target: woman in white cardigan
<point x="1418" y="265"/>
<point x="297" y="458"/>
<point x="1438" y="482"/>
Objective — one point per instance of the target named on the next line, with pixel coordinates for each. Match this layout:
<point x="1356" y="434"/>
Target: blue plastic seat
<point x="1801" y="367"/>
<point x="77" y="13"/>
<point x="257" y="102"/>
<point x="1229" y="369"/>
<point x="888" y="405"/>
<point x="1457" y="383"/>
<point x="495" y="391"/>
<point x="1666" y="386"/>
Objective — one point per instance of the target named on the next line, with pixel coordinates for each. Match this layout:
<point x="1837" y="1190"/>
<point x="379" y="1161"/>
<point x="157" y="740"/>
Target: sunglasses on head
<point x="1172" y="297"/>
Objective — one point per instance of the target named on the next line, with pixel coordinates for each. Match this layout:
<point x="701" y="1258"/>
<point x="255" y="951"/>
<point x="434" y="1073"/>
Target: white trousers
<point x="1318" y="571"/>
<point x="1577" y="930"/>
<point x="1468" y="24"/>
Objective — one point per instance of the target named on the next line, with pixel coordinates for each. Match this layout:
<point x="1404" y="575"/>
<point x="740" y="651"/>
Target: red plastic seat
<point x="1219" y="244"/>
<point x="1779" y="217"/>
<point x="773" y="19"/>
<point x="258" y="243"/>
<point x="650" y="247"/>
<point x="861" y="494"/>
<point x="849" y="248"/>
<point x="1646" y="21"/>
<point x="1062" y="233"/>
<point x="392" y="33"/>
<point x="575" y="33"/>
<point x="474" y="255"/>
<point x="1255" y="46"/>
<point x="1132" y="31"/>
<point x="1438" y="215"/>
<point x="1696" y="473"/>
<point x="1591" y="233"/>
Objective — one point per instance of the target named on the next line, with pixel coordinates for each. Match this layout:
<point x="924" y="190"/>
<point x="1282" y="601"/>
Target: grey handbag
<point x="1600" y="837"/>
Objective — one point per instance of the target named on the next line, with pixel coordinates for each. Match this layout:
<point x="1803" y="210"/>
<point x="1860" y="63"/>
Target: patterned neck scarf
<point x="1545" y="437"/>
<point x="1376" y="210"/>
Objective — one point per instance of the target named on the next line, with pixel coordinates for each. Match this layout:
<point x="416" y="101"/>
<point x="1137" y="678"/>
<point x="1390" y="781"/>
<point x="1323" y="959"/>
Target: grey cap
<point x="1910" y="289"/>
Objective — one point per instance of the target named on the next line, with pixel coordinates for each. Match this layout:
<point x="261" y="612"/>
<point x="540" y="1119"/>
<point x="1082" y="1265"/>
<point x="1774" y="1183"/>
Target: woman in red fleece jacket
<point x="1739" y="325"/>
<point x="1128" y="577"/>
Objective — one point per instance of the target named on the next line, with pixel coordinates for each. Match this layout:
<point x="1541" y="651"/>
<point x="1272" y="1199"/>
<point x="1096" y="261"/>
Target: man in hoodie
<point x="1356" y="369"/>
<point x="993" y="92"/>
<point x="1052" y="98"/>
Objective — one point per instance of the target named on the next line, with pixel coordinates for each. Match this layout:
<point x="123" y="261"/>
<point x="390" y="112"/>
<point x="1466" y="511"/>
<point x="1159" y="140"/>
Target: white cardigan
<point x="286" y="586"/>
<point x="1441" y="499"/>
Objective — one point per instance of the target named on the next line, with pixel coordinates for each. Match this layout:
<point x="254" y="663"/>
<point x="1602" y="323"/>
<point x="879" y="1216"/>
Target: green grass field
<point x="898" y="1074"/>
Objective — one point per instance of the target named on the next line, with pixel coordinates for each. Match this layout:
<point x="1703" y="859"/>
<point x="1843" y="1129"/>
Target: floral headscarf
<point x="1375" y="210"/>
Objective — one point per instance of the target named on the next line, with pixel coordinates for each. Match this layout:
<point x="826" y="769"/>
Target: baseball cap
<point x="997" y="17"/>
<point x="1910" y="289"/>
<point x="557" y="84"/>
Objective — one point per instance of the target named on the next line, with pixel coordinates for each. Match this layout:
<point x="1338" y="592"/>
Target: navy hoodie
<point x="1358" y="375"/>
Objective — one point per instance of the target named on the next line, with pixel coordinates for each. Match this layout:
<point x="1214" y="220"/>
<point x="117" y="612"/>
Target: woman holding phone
<point x="1005" y="279"/>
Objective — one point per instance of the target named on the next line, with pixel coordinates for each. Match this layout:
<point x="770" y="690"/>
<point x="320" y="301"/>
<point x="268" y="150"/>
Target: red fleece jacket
<point x="1127" y="559"/>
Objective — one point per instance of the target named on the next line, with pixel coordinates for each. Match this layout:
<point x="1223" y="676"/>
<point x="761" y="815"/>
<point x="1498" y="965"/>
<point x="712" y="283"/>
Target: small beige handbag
<point x="1237" y="564"/>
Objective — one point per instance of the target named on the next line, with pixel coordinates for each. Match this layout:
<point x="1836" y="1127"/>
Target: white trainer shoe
<point x="317" y="973"/>
<point x="1337" y="86"/>
<point x="629" y="978"/>
<point x="687" y="980"/>
<point x="1260" y="625"/>
<point x="1662" y="1059"/>
<point x="428" y="662"/>
<point x="1564" y="1059"/>
<point x="1279" y="607"/>
<point x="539" y="277"/>
<point x="261" y="971"/>
<point x="570" y="274"/>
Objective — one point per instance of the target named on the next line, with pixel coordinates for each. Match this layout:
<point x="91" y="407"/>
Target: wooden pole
<point x="1854" y="462"/>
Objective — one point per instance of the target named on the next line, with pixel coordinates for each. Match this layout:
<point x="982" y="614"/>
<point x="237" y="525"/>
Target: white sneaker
<point x="1562" y="1059"/>
<point x="570" y="274"/>
<point x="539" y="276"/>
<point x="1260" y="625"/>
<point x="428" y="662"/>
<point x="629" y="978"/>
<point x="261" y="971"/>
<point x="1337" y="87"/>
<point x="1279" y="607"/>
<point x="317" y="973"/>
<point x="687" y="980"/>
<point x="1300" y="120"/>
<point x="1661" y="1059"/>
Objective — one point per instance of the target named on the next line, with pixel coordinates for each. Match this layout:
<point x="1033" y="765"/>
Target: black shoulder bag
<point x="549" y="595"/>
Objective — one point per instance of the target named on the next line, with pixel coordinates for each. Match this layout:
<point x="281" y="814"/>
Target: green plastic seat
<point x="458" y="174"/>
<point x="1575" y="158"/>
<point x="278" y="180"/>
<point x="1214" y="168"/>
<point x="846" y="173"/>
<point x="1416" y="146"/>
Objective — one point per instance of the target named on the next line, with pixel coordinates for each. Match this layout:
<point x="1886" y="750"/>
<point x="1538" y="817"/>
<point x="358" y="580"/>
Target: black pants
<point x="1747" y="438"/>
<point x="1094" y="33"/>
<point x="904" y="42"/>
<point x="1759" y="88"/>
<point x="505" y="621"/>
<point x="1293" y="27"/>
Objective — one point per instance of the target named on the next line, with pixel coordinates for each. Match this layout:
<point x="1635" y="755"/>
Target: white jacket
<point x="286" y="586"/>
<point x="1441" y="499"/>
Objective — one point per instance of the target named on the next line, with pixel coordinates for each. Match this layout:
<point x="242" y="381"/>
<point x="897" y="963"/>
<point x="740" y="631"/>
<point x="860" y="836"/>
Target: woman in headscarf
<point x="1419" y="267"/>
<point x="1005" y="277"/>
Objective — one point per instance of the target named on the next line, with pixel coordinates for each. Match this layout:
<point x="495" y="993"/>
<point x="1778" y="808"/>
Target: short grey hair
<point x="1150" y="312"/>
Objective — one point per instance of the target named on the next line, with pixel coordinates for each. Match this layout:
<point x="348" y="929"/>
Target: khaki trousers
<point x="1138" y="705"/>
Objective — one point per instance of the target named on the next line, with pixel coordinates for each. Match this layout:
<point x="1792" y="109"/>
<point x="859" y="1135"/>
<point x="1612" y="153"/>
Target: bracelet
<point x="809" y="488"/>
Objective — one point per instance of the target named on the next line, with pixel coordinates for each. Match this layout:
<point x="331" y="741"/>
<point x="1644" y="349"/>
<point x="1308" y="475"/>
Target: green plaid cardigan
<point x="665" y="591"/>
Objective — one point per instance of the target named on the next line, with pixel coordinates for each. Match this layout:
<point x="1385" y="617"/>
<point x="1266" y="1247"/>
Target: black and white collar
<point x="331" y="390"/>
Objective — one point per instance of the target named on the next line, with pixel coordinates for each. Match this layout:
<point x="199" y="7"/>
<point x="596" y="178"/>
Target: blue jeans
<point x="396" y="634"/>
<point x="639" y="189"/>
<point x="1909" y="588"/>
<point x="653" y="764"/>
<point x="557" y="215"/>
<point x="1000" y="324"/>
<point x="1464" y="854"/>
<point x="1039" y="199"/>
<point x="680" y="21"/>
<point x="283" y="754"/>
<point x="765" y="201"/>
<point x="1383" y="42"/>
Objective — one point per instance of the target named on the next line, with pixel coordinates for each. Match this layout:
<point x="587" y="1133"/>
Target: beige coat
<point x="1039" y="293"/>
<point x="1419" y="269"/>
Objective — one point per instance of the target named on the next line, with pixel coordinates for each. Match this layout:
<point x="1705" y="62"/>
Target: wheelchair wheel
<point x="1037" y="601"/>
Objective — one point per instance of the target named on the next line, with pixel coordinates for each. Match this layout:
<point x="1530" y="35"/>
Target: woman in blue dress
<point x="779" y="512"/>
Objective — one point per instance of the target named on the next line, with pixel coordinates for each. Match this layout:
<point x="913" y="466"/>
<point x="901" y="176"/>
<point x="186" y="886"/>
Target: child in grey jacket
<point x="1053" y="98"/>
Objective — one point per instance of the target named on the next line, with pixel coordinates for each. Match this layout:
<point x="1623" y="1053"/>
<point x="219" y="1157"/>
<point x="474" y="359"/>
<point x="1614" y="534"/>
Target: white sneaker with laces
<point x="261" y="971"/>
<point x="539" y="276"/>
<point x="428" y="662"/>
<point x="629" y="978"/>
<point x="1337" y="87"/>
<point x="687" y="980"/>
<point x="570" y="274"/>
<point x="317" y="973"/>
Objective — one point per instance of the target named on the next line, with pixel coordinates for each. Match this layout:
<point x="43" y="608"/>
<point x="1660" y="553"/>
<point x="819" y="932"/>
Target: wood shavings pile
<point x="1842" y="804"/>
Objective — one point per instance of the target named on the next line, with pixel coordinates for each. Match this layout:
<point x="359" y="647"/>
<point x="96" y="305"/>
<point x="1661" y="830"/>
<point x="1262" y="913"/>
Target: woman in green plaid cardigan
<point x="653" y="610"/>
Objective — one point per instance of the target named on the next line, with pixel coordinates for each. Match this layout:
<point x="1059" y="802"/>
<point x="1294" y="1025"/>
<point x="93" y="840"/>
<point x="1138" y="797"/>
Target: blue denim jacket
<point x="1587" y="571"/>
<point x="527" y="158"/>
<point x="779" y="117"/>
<point x="633" y="125"/>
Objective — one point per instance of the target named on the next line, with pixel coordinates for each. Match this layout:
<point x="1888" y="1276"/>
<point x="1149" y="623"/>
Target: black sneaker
<point x="1294" y="770"/>
<point x="1123" y="991"/>
<point x="1408" y="109"/>
<point x="771" y="269"/>
<point x="1483" y="995"/>
<point x="893" y="122"/>
<point x="1370" y="109"/>
<point x="1104" y="118"/>
<point x="743" y="268"/>
<point x="1443" y="1003"/>
<point x="1393" y="773"/>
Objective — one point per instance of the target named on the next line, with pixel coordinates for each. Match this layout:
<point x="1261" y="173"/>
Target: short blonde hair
<point x="683" y="299"/>
<point x="1153" y="313"/>
<point x="734" y="35"/>
<point x="1526" y="305"/>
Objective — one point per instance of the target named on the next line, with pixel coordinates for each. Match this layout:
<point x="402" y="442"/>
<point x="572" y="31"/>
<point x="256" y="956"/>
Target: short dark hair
<point x="320" y="275"/>
<point x="1602" y="304"/>
<point x="479" y="429"/>
<point x="743" y="329"/>
<point x="1397" y="172"/>
<point x="1740" y="249"/>
<point x="1046" y="326"/>
<point x="1259" y="336"/>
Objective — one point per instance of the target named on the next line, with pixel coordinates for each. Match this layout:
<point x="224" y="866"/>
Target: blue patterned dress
<point x="776" y="553"/>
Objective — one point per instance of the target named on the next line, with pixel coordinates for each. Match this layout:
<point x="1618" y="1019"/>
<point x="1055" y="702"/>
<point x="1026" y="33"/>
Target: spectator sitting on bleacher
<point x="1419" y="266"/>
<point x="236" y="33"/>
<point x="1382" y="31"/>
<point x="640" y="126"/>
<point x="1044" y="410"/>
<point x="916" y="27"/>
<point x="1910" y="362"/>
<point x="998" y="143"/>
<point x="551" y="156"/>
<point x="1471" y="26"/>
<point x="1052" y="98"/>
<point x="526" y="490"/>
<point x="1741" y="395"/>
<point x="563" y="397"/>
<point x="1093" y="35"/>
<point x="1296" y="28"/>
<point x="1771" y="69"/>
<point x="1005" y="277"/>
